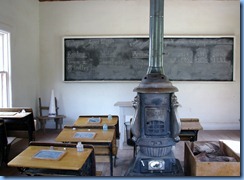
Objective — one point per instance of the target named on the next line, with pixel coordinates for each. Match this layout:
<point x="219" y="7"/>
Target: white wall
<point x="217" y="104"/>
<point x="21" y="19"/>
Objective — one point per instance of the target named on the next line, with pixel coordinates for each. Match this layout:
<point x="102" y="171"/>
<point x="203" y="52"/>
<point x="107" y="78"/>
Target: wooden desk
<point x="189" y="129"/>
<point x="72" y="163"/>
<point x="102" y="138"/>
<point x="19" y="123"/>
<point x="83" y="121"/>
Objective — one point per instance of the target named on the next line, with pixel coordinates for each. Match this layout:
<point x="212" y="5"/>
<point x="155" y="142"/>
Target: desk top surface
<point x="103" y="136"/>
<point x="190" y="124"/>
<point x="84" y="121"/>
<point x="14" y="115"/>
<point x="67" y="162"/>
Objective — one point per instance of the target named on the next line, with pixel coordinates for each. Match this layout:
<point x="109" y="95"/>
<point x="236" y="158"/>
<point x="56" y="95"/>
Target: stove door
<point x="156" y="123"/>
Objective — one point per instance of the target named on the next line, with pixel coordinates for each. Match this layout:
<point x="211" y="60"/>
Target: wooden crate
<point x="193" y="167"/>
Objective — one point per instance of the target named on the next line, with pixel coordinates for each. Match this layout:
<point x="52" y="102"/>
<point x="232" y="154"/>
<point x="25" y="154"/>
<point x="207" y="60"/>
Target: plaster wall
<point x="21" y="19"/>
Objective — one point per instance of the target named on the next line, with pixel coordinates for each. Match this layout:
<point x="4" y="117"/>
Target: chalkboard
<point x="126" y="59"/>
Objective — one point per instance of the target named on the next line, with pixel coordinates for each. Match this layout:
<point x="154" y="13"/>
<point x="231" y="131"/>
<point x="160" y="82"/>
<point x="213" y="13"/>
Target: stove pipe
<point x="156" y="37"/>
<point x="155" y="80"/>
<point x="156" y="125"/>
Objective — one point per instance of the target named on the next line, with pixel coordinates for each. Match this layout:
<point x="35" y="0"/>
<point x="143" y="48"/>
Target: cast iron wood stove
<point x="156" y="126"/>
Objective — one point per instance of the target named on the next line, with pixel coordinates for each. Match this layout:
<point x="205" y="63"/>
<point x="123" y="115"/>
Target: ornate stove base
<point x="155" y="166"/>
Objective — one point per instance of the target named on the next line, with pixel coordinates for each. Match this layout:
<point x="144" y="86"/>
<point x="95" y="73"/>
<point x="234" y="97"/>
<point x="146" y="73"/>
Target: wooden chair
<point x="89" y="168"/>
<point x="5" y="143"/>
<point x="43" y="117"/>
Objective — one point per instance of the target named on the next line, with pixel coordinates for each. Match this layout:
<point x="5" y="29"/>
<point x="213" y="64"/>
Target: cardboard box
<point x="194" y="167"/>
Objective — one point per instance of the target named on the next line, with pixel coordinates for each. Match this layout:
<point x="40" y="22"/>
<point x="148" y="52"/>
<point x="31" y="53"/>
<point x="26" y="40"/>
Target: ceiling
<point x="88" y="0"/>
<point x="125" y="0"/>
<point x="57" y="0"/>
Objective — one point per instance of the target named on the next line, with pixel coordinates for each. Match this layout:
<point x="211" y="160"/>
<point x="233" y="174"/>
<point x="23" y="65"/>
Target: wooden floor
<point x="125" y="156"/>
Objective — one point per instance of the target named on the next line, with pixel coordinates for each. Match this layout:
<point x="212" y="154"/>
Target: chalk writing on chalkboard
<point x="126" y="59"/>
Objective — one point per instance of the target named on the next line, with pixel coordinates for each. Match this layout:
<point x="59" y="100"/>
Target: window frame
<point x="5" y="70"/>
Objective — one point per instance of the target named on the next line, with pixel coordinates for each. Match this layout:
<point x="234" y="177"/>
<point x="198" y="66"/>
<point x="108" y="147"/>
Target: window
<point x="5" y="78"/>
